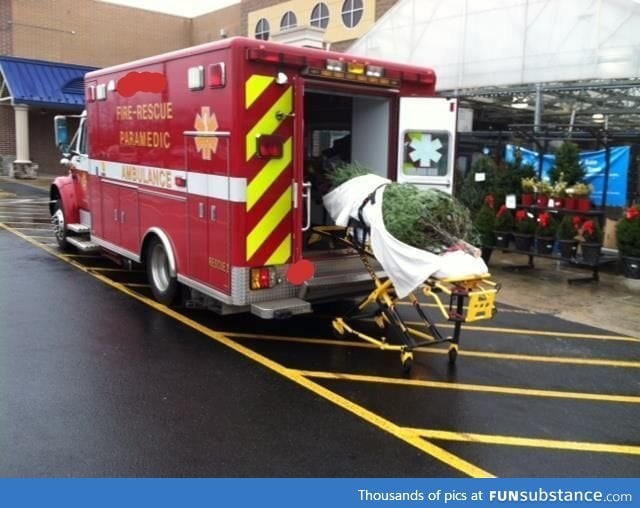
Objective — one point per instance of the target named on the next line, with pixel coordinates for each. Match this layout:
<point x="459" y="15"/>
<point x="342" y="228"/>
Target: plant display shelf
<point x="576" y="261"/>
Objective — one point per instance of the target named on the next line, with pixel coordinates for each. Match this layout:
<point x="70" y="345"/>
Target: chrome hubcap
<point x="160" y="268"/>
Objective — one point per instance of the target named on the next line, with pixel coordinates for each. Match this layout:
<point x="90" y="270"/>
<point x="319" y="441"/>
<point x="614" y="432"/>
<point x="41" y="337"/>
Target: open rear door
<point x="427" y="138"/>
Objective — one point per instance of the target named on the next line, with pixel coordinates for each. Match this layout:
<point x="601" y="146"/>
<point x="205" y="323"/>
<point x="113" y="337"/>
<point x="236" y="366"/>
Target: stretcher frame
<point x="381" y="303"/>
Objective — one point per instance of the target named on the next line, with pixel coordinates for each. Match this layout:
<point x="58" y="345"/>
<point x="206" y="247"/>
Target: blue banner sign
<point x="594" y="164"/>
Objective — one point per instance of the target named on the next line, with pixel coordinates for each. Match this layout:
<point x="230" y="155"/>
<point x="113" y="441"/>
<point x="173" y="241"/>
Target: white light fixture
<point x="519" y="102"/>
<point x="597" y="117"/>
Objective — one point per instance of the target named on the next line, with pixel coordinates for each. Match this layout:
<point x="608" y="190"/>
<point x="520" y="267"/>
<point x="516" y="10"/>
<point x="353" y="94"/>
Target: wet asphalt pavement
<point x="97" y="382"/>
<point x="94" y="383"/>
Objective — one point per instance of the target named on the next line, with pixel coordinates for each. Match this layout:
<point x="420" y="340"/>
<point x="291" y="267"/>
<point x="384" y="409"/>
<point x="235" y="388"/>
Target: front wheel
<point x="164" y="286"/>
<point x="59" y="225"/>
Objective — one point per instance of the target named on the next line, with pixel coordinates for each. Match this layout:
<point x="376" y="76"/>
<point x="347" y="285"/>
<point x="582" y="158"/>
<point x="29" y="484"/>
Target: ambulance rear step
<point x="342" y="284"/>
<point x="279" y="309"/>
<point x="83" y="245"/>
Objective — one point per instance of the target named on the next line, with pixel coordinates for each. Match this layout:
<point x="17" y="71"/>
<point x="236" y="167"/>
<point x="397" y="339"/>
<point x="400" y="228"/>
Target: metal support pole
<point x="537" y="118"/>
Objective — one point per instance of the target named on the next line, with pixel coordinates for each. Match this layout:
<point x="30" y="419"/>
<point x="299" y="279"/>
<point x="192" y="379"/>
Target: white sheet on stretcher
<point x="406" y="266"/>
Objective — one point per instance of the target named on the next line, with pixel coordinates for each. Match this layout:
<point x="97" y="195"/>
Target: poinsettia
<point x="628" y="233"/>
<point x="569" y="227"/>
<point x="525" y="224"/>
<point x="490" y="201"/>
<point x="504" y="219"/>
<point x="591" y="231"/>
<point x="546" y="225"/>
<point x="632" y="213"/>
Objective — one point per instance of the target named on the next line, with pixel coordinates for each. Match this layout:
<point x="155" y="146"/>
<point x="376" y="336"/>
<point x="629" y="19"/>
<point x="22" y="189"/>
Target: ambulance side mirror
<point x="61" y="133"/>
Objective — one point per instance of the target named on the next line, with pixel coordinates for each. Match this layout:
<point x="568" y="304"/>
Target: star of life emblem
<point x="425" y="150"/>
<point x="206" y="122"/>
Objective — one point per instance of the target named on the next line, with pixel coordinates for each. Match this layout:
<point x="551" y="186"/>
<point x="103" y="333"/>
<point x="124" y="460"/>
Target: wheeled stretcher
<point x="478" y="292"/>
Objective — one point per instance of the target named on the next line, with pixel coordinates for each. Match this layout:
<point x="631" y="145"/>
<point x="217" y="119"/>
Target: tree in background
<point x="475" y="188"/>
<point x="568" y="165"/>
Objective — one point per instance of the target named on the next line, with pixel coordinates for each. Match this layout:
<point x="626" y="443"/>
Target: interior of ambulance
<point x="341" y="127"/>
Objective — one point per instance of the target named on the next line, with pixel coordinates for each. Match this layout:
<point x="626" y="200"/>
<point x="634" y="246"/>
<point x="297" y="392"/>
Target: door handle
<point x="213" y="215"/>
<point x="201" y="210"/>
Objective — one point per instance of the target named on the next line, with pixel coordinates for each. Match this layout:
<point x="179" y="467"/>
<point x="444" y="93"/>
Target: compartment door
<point x="427" y="135"/>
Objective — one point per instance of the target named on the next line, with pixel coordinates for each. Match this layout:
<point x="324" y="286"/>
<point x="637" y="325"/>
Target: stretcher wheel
<point x="453" y="354"/>
<point x="406" y="357"/>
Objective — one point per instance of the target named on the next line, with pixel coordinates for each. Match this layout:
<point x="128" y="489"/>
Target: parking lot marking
<point x="541" y="333"/>
<point x="502" y="390"/>
<point x="374" y="419"/>
<point x="598" y="362"/>
<point x="435" y="306"/>
<point x="111" y="269"/>
<point x="554" y="444"/>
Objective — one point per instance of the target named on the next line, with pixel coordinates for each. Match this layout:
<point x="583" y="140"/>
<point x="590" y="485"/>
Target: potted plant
<point x="591" y="244"/>
<point x="503" y="227"/>
<point x="545" y="233"/>
<point x="559" y="193"/>
<point x="628" y="238"/>
<point x="567" y="234"/>
<point x="528" y="190"/>
<point x="484" y="227"/>
<point x="543" y="191"/>
<point x="581" y="192"/>
<point x="524" y="227"/>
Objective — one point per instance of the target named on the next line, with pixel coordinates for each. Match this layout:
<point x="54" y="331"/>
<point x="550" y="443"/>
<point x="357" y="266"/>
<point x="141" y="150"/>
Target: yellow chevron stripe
<point x="254" y="88"/>
<point x="268" y="174"/>
<point x="282" y="253"/>
<point x="268" y="223"/>
<point x="269" y="123"/>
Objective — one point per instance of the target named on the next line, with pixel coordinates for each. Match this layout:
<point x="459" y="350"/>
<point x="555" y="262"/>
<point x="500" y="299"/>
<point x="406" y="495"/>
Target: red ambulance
<point x="206" y="166"/>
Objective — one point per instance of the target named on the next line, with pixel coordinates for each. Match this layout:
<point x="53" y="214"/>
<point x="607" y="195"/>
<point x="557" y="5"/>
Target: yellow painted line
<point x="261" y="231"/>
<point x="295" y="376"/>
<point x="96" y="256"/>
<point x="553" y="444"/>
<point x="268" y="174"/>
<point x="597" y="362"/>
<point x="109" y="269"/>
<point x="592" y="362"/>
<point x="502" y="390"/>
<point x="540" y="333"/>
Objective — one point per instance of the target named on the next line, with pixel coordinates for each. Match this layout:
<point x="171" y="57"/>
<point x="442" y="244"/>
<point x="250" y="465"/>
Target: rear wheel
<point x="59" y="225"/>
<point x="164" y="286"/>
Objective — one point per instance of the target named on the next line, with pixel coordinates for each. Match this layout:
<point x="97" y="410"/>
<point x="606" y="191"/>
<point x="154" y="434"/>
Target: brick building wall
<point x="42" y="142"/>
<point x="90" y="32"/>
<point x="207" y="28"/>
<point x="6" y="46"/>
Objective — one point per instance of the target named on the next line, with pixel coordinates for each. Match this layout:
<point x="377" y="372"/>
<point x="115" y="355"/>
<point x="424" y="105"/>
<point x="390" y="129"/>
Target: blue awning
<point x="41" y="83"/>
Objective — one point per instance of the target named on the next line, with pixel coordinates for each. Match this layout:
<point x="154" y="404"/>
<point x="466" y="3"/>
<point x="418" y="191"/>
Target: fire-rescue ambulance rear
<point x="206" y="166"/>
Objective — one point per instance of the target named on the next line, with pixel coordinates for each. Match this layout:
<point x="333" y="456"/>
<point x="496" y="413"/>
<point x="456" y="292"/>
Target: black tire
<point x="453" y="355"/>
<point x="60" y="225"/>
<point x="163" y="286"/>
